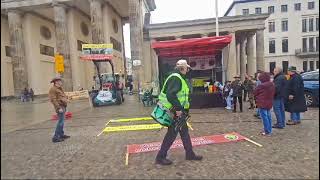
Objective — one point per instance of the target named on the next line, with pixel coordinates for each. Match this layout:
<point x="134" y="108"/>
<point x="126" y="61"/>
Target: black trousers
<point x="169" y="139"/>
<point x="235" y="103"/>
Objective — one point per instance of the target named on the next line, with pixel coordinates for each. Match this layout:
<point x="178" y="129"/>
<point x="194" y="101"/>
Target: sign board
<point x="59" y="63"/>
<point x="97" y="51"/>
<point x="136" y="62"/>
<point x="78" y="94"/>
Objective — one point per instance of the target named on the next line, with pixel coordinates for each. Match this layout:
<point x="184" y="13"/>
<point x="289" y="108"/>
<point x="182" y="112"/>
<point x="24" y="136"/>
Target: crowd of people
<point x="266" y="91"/>
<point x="27" y="95"/>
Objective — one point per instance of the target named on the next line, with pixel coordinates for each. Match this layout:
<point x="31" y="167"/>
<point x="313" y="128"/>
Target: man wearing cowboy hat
<point x="237" y="89"/>
<point x="174" y="96"/>
<point x="59" y="100"/>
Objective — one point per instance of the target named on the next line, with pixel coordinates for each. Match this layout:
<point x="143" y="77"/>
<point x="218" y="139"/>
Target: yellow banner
<point x="133" y="127"/>
<point x="78" y="94"/>
<point x="94" y="46"/>
<point x="59" y="63"/>
<point x="131" y="119"/>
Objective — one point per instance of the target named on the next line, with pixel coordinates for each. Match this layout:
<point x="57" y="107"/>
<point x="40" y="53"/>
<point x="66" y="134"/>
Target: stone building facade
<point x="32" y="31"/>
<point x="291" y="34"/>
<point x="239" y="57"/>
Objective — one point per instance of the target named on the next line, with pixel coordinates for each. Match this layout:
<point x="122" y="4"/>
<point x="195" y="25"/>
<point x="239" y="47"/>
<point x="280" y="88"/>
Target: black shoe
<point x="164" y="162"/>
<point x="55" y="140"/>
<point x="277" y="127"/>
<point x="194" y="157"/>
<point x="65" y="137"/>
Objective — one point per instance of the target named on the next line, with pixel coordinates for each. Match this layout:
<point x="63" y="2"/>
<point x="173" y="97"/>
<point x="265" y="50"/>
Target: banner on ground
<point x="198" y="141"/>
<point x="132" y="127"/>
<point x="97" y="51"/>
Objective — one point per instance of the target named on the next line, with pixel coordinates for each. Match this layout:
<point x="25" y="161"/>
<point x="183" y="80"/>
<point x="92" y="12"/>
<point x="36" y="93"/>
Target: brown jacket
<point x="57" y="97"/>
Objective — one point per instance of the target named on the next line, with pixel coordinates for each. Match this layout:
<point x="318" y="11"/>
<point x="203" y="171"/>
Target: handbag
<point x="162" y="115"/>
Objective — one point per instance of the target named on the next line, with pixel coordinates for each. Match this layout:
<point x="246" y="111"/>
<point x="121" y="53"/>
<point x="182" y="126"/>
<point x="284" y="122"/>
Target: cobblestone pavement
<point x="27" y="151"/>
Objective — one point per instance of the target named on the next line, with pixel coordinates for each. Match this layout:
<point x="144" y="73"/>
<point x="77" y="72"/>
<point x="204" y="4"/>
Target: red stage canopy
<point x="191" y="47"/>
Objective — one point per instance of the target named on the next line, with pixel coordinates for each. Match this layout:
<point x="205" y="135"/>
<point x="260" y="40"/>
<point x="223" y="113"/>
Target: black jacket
<point x="171" y="89"/>
<point x="237" y="88"/>
<point x="295" y="88"/>
<point x="280" y="83"/>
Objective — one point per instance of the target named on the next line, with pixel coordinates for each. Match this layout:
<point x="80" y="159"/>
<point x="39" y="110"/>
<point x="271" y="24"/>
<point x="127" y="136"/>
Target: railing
<point x="306" y="52"/>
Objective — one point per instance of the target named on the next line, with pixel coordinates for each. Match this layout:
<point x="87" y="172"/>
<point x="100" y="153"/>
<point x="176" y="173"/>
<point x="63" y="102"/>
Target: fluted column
<point x="96" y="24"/>
<point x="260" y="49"/>
<point x="252" y="67"/>
<point x="19" y="64"/>
<point x="242" y="57"/>
<point x="231" y="64"/>
<point x="136" y="38"/>
<point x="238" y="56"/>
<point x="62" y="41"/>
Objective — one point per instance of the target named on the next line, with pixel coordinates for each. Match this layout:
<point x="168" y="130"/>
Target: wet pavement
<point x="27" y="150"/>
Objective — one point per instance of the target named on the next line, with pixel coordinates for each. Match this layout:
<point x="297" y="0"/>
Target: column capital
<point x="58" y="4"/>
<point x="250" y="34"/>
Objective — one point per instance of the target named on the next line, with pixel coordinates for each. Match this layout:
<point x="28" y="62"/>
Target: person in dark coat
<point x="250" y="87"/>
<point x="264" y="94"/>
<point x="296" y="102"/>
<point x="279" y="96"/>
<point x="31" y="93"/>
<point x="237" y="90"/>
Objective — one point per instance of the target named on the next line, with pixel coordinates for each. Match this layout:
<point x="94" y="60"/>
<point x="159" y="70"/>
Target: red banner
<point x="198" y="141"/>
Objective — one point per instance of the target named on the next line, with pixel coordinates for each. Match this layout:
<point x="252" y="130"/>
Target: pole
<point x="217" y="22"/>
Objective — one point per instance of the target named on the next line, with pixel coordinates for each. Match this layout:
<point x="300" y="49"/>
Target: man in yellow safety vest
<point x="175" y="97"/>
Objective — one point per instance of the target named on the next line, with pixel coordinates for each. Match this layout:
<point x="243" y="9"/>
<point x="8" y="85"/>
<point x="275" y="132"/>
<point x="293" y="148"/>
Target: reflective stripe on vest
<point x="182" y="95"/>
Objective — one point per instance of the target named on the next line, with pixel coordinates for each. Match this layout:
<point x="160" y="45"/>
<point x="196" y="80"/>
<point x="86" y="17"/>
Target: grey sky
<point x="179" y="10"/>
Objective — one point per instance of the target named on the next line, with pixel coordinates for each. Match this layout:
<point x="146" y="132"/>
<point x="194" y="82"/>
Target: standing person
<point x="278" y="100"/>
<point x="264" y="94"/>
<point x="237" y="89"/>
<point x="296" y="102"/>
<point x="250" y="89"/>
<point x="59" y="100"/>
<point x="258" y="82"/>
<point x="245" y="88"/>
<point x="174" y="96"/>
<point x="31" y="93"/>
<point x="227" y="94"/>
<point x="25" y="95"/>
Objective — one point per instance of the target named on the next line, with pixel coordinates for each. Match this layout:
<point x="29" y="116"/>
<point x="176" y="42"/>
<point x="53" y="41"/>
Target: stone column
<point x="252" y="67"/>
<point x="96" y="24"/>
<point x="231" y="60"/>
<point x="19" y="64"/>
<point x="62" y="41"/>
<point x="136" y="38"/>
<point x="242" y="57"/>
<point x="238" y="56"/>
<point x="260" y="49"/>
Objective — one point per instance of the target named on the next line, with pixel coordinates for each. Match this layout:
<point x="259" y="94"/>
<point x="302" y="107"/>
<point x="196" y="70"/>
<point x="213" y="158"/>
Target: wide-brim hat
<point x="182" y="63"/>
<point x="292" y="68"/>
<point x="55" y="79"/>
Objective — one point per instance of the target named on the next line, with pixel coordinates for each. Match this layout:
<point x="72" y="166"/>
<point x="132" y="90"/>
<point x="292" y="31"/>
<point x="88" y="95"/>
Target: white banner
<point x="202" y="62"/>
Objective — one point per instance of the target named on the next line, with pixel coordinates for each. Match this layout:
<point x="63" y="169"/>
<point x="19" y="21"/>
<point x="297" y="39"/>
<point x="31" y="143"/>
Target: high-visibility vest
<point x="183" y="94"/>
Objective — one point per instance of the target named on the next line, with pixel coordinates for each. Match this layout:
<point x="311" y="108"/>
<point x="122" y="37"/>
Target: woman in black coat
<point x="295" y="103"/>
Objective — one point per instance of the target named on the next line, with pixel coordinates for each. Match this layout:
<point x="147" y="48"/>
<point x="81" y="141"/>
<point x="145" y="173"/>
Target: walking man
<point x="59" y="100"/>
<point x="237" y="90"/>
<point x="278" y="100"/>
<point x="296" y="102"/>
<point x="174" y="96"/>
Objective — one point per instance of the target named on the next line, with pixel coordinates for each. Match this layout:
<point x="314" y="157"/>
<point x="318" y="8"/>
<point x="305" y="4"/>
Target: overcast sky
<point x="179" y="10"/>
